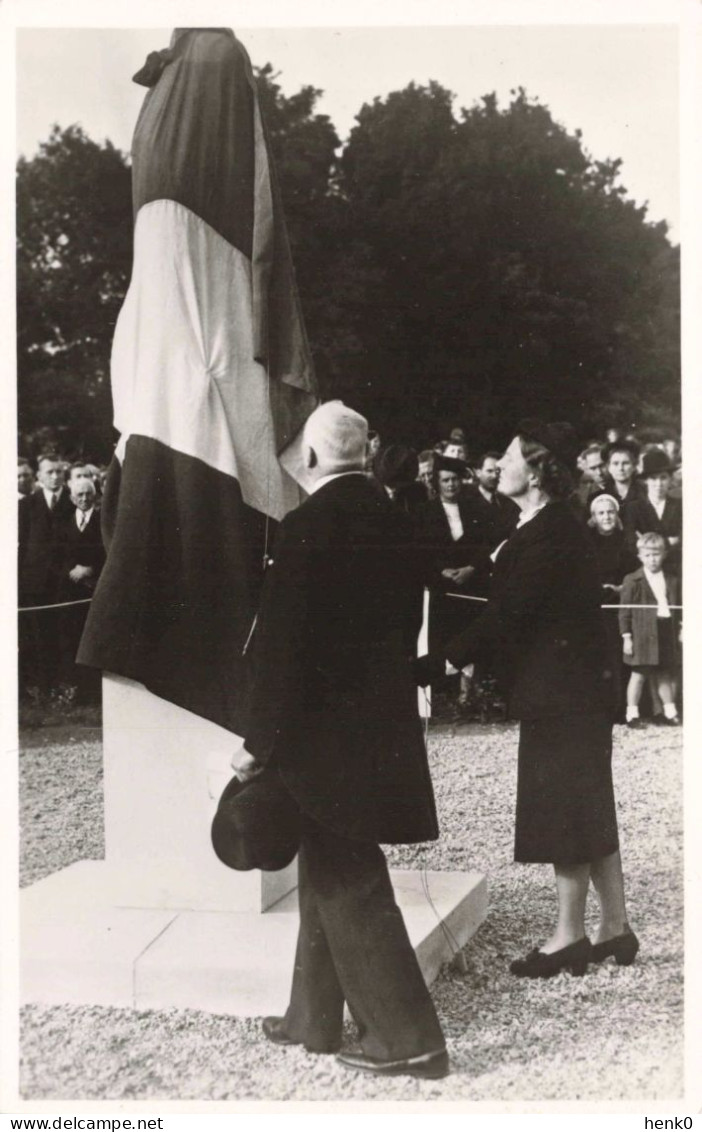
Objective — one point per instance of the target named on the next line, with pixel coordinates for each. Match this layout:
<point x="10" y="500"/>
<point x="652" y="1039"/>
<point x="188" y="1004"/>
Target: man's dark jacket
<point x="41" y="545"/>
<point x="499" y="517"/>
<point x="81" y="548"/>
<point x="333" y="700"/>
<point x="542" y="628"/>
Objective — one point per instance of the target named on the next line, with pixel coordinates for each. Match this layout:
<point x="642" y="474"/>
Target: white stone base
<point x="80" y="946"/>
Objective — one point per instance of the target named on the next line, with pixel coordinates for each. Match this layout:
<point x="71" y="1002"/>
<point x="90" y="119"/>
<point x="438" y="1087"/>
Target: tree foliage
<point x="74" y="236"/>
<point x="467" y="267"/>
<point x="517" y="276"/>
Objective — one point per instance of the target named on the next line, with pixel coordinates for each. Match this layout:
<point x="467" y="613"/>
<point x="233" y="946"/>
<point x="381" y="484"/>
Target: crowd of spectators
<point x="60" y="558"/>
<point x="622" y="492"/>
<point x="451" y="496"/>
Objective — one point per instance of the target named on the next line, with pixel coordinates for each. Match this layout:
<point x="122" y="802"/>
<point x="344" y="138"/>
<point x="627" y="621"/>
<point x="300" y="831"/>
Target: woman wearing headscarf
<point x="613" y="560"/>
<point x="542" y="629"/>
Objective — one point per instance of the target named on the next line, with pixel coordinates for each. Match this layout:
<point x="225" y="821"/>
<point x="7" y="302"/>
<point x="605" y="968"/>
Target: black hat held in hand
<point x="257" y="824"/>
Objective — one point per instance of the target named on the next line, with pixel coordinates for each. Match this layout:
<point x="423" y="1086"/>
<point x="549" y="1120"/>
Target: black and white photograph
<point x="344" y="693"/>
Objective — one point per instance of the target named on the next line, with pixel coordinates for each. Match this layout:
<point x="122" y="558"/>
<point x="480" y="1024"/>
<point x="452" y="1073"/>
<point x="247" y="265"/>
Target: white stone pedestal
<point x="161" y="922"/>
<point x="165" y="770"/>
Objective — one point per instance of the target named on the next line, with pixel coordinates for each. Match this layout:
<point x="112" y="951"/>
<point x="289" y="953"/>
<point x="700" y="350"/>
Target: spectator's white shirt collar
<point x="86" y="517"/>
<point x="49" y="495"/>
<point x="334" y="476"/>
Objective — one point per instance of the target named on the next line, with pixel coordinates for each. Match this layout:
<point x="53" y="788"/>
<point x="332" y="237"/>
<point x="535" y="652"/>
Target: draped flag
<point x="212" y="382"/>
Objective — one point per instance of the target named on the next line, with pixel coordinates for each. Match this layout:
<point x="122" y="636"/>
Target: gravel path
<point x="615" y="1035"/>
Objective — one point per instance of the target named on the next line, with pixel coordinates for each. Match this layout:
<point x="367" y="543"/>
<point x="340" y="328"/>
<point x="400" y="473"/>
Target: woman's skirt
<point x="565" y="798"/>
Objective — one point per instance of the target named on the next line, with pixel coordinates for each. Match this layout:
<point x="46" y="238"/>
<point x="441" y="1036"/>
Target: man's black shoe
<point x="274" y="1029"/>
<point x="430" y="1065"/>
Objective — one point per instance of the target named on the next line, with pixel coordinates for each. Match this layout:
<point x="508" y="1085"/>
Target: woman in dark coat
<point x="543" y="629"/>
<point x="657" y="512"/>
<point x="452" y="542"/>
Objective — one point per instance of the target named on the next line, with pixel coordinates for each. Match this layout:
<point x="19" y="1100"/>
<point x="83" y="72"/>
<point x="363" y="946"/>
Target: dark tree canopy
<point x="516" y="277"/>
<point x="453" y="268"/>
<point x="74" y="228"/>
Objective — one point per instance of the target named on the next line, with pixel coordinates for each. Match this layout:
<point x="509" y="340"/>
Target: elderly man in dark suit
<point x="333" y="710"/>
<point x="84" y="558"/>
<point x="41" y="518"/>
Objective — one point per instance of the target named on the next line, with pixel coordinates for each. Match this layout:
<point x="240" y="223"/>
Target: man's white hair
<point x="338" y="435"/>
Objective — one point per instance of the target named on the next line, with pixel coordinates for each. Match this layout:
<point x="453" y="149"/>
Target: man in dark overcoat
<point x="334" y="711"/>
<point x="41" y="517"/>
<point x="497" y="513"/>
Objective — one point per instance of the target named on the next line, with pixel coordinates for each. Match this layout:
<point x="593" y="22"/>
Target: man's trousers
<point x="353" y="946"/>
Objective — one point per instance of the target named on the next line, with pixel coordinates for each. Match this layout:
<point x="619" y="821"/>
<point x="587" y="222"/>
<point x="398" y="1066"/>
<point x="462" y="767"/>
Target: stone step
<point x="80" y="944"/>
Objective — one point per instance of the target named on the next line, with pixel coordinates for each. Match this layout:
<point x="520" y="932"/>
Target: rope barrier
<point x="59" y="605"/>
<point x="473" y="597"/>
<point x="461" y="597"/>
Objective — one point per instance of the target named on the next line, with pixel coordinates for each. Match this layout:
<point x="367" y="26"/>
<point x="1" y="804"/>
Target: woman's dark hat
<point x="558" y="437"/>
<point x="654" y="463"/>
<point x="449" y="464"/>
<point x="257" y="824"/>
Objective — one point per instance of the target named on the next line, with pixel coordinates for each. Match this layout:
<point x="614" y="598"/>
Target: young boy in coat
<point x="651" y="634"/>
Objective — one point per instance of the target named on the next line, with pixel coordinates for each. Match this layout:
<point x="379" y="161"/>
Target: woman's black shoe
<point x="623" y="947"/>
<point x="540" y="965"/>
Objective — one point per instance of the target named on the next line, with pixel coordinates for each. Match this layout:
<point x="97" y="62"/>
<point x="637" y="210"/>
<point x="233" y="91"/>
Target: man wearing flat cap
<point x="333" y="712"/>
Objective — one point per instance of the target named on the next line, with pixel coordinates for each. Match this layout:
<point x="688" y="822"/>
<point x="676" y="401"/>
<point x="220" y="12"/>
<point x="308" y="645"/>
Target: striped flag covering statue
<point x="212" y="382"/>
